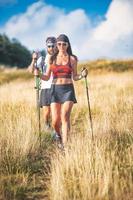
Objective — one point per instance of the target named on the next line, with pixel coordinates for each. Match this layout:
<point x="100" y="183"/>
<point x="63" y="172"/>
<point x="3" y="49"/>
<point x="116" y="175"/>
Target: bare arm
<point x="76" y="76"/>
<point x="32" y="65"/>
<point x="46" y="75"/>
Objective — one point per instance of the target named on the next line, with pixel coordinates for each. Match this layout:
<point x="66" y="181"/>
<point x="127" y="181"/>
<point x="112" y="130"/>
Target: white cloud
<point x="111" y="37"/>
<point x="118" y="21"/>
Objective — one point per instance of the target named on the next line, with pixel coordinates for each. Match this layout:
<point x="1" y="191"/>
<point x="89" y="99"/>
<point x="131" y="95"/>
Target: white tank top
<point x="41" y="63"/>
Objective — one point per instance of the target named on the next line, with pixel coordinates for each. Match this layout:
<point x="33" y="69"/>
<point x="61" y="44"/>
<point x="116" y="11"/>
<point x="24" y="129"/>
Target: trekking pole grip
<point x="83" y="68"/>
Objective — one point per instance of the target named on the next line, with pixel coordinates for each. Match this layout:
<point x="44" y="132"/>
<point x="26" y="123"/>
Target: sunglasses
<point x="64" y="44"/>
<point x="50" y="46"/>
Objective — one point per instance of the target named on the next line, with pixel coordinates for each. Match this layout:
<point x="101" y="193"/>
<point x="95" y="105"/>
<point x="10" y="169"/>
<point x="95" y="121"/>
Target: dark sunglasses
<point x="62" y="44"/>
<point x="50" y="46"/>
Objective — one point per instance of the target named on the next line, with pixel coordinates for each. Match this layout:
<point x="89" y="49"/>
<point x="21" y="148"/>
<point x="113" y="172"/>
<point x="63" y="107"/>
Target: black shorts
<point x="62" y="93"/>
<point x="45" y="97"/>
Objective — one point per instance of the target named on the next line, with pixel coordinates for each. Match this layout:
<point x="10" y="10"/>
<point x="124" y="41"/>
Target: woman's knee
<point x="55" y="122"/>
<point x="65" y="117"/>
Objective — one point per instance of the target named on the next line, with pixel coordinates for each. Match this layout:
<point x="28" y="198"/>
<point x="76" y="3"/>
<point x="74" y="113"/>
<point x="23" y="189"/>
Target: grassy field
<point x="99" y="169"/>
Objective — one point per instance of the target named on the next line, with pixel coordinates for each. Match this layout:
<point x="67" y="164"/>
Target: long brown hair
<point x="63" y="38"/>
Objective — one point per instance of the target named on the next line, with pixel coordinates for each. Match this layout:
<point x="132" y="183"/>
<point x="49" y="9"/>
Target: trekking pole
<point x="90" y="116"/>
<point x="37" y="87"/>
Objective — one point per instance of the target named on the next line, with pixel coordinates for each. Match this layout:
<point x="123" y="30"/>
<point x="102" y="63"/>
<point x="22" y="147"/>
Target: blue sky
<point x="92" y="7"/>
<point x="96" y="28"/>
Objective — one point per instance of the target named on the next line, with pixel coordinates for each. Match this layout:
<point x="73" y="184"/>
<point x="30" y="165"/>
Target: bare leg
<point x="46" y="114"/>
<point x="56" y="118"/>
<point x="65" y="119"/>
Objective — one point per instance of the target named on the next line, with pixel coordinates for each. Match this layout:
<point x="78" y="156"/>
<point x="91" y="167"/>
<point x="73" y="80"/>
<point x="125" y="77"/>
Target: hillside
<point x="99" y="66"/>
<point x="108" y="65"/>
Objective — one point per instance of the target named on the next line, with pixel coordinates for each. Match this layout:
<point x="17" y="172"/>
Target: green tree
<point x="13" y="53"/>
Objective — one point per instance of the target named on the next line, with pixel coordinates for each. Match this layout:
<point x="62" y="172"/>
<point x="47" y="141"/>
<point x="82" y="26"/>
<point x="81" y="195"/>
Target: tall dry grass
<point x="90" y="170"/>
<point x="21" y="162"/>
<point x="99" y="169"/>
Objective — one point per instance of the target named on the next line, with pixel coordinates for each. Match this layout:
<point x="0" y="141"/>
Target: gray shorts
<point x="62" y="93"/>
<point x="45" y="97"/>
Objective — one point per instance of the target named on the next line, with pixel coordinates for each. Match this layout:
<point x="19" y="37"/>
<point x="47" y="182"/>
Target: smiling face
<point x="62" y="46"/>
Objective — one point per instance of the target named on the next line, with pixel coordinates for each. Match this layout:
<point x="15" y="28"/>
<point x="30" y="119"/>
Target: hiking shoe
<point x="57" y="137"/>
<point x="47" y="127"/>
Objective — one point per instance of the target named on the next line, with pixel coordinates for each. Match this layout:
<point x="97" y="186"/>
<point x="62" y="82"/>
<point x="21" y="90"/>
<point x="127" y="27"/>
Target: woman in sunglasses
<point x="63" y="66"/>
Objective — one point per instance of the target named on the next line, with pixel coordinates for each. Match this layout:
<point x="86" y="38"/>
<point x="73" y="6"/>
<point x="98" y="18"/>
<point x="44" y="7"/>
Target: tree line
<point x="13" y="53"/>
